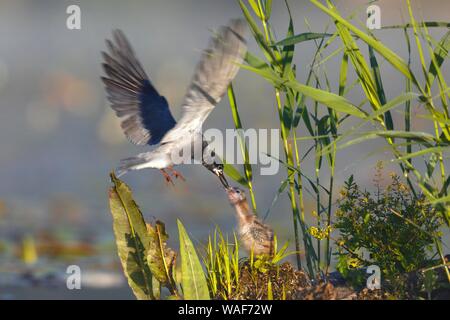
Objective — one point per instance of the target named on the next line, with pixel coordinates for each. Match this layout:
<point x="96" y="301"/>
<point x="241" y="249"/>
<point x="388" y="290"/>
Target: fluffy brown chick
<point x="253" y="233"/>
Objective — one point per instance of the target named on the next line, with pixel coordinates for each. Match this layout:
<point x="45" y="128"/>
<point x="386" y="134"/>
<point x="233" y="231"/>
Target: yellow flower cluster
<point x="354" y="263"/>
<point x="320" y="234"/>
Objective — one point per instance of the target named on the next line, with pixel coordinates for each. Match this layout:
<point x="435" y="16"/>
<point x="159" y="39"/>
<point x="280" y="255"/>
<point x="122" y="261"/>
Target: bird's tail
<point x="131" y="163"/>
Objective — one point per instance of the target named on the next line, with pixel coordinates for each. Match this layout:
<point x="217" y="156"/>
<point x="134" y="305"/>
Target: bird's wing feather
<point x="218" y="66"/>
<point x="145" y="114"/>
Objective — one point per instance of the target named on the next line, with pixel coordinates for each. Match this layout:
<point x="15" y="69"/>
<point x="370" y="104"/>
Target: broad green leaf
<point x="234" y="174"/>
<point x="193" y="278"/>
<point x="302" y="37"/>
<point x="266" y="74"/>
<point x="329" y="99"/>
<point x="408" y="96"/>
<point x="161" y="259"/>
<point x="132" y="239"/>
<point x="256" y="62"/>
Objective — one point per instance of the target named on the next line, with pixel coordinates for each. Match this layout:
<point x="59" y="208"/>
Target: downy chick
<point x="252" y="232"/>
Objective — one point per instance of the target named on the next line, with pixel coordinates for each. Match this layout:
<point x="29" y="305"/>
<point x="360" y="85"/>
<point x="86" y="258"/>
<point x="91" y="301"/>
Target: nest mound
<point x="289" y="283"/>
<point x="284" y="279"/>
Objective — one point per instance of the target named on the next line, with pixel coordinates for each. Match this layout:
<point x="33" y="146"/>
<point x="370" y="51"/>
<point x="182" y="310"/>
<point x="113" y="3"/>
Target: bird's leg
<point x="166" y="176"/>
<point x="175" y="173"/>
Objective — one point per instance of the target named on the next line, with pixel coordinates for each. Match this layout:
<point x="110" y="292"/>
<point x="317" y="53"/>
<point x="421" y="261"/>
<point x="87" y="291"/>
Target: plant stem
<point x="287" y="149"/>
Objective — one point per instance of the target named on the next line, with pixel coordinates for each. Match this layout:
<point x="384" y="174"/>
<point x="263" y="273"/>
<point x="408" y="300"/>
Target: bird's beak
<point x="223" y="180"/>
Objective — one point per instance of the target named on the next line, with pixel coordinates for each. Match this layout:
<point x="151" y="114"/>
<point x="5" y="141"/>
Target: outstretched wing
<point x="217" y="68"/>
<point x="145" y="114"/>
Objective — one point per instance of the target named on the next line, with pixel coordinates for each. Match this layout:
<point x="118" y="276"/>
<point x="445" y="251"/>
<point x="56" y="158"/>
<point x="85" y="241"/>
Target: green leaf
<point x="242" y="144"/>
<point x="238" y="126"/>
<point x="281" y="189"/>
<point x="132" y="239"/>
<point x="402" y="98"/>
<point x="408" y="96"/>
<point x="307" y="120"/>
<point x="269" y="291"/>
<point x="268" y="7"/>
<point x="156" y="288"/>
<point x="288" y="50"/>
<point x="280" y="254"/>
<point x="429" y="24"/>
<point x="193" y="278"/>
<point x="329" y="99"/>
<point x="440" y="53"/>
<point x="161" y="259"/>
<point x="387" y="53"/>
<point x="234" y="174"/>
<point x="422" y="152"/>
<point x="256" y="62"/>
<point x="255" y="8"/>
<point x="343" y="74"/>
<point x="270" y="76"/>
<point x="302" y="37"/>
<point x="417" y="136"/>
<point x="257" y="34"/>
<point x="380" y="90"/>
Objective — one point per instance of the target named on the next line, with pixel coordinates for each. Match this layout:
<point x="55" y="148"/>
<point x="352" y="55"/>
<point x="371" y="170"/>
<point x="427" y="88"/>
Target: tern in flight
<point x="145" y="115"/>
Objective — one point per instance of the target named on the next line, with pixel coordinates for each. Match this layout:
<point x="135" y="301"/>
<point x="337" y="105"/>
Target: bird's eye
<point x="238" y="191"/>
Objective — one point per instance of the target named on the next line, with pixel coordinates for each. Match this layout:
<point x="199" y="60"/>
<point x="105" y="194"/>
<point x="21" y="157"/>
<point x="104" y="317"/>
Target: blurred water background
<point x="59" y="139"/>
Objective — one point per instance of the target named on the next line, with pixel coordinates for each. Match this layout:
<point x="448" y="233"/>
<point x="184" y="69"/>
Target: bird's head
<point x="217" y="169"/>
<point x="236" y="195"/>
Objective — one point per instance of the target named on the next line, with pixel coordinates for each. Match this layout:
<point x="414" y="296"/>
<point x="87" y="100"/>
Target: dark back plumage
<point x="145" y="114"/>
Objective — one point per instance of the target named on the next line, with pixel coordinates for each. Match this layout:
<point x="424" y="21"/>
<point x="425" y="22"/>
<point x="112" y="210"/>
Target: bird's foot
<point x="176" y="174"/>
<point x="167" y="177"/>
